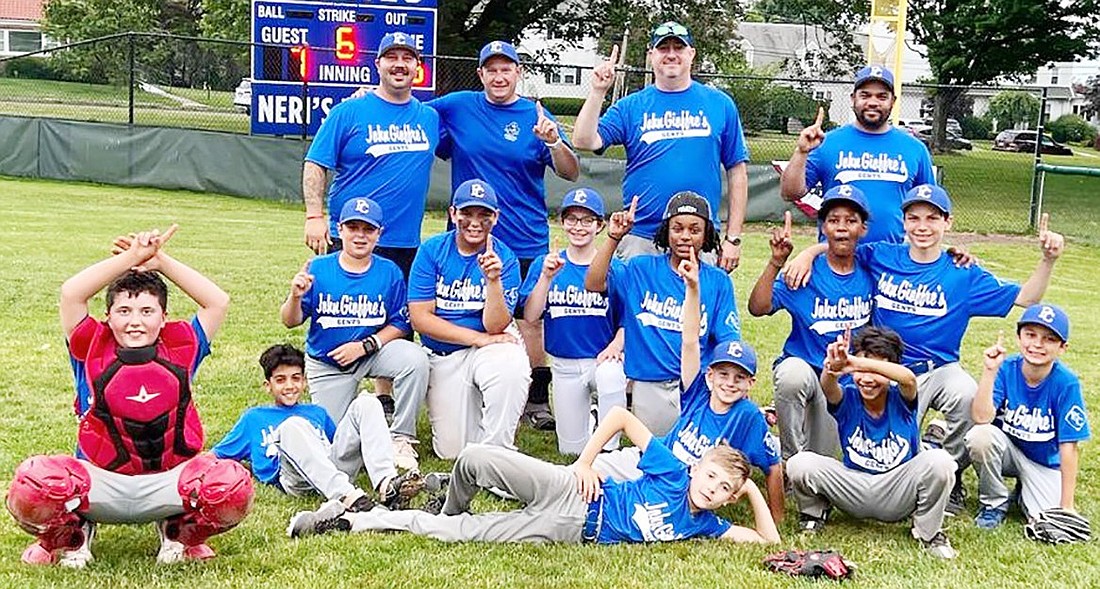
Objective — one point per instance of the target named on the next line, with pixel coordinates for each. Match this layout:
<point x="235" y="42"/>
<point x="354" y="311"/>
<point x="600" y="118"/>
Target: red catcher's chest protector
<point x="142" y="419"/>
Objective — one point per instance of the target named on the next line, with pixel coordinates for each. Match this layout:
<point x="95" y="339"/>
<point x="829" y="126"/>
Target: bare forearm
<point x="982" y="410"/>
<point x="595" y="279"/>
<point x="536" y="301"/>
<point x="1036" y="286"/>
<point x="618" y="420"/>
<point x="291" y="311"/>
<point x="760" y="299"/>
<point x="313" y="189"/>
<point x="689" y="342"/>
<point x="792" y="183"/>
<point x="1068" y="454"/>
<point x="76" y="291"/>
<point x="773" y="483"/>
<point x="566" y="164"/>
<point x="495" y="316"/>
<point x="762" y="516"/>
<point x="585" y="135"/>
<point x="389" y="333"/>
<point x="212" y="300"/>
<point x="429" y="324"/>
<point x="829" y="385"/>
<point x="905" y="378"/>
<point x="737" y="179"/>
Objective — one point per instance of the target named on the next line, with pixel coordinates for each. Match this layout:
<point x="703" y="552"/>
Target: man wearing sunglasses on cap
<point x="679" y="135"/>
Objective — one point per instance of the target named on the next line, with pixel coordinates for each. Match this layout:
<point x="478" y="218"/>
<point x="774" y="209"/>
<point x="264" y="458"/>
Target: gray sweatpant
<point x="401" y="360"/>
<point x="553" y="511"/>
<point x="656" y="404"/>
<point x="802" y="411"/>
<point x="995" y="457"/>
<point x="308" y="462"/>
<point x="950" y="390"/>
<point x="919" y="487"/>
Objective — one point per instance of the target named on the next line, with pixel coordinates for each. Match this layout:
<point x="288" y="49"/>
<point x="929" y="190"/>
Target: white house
<point x="19" y="28"/>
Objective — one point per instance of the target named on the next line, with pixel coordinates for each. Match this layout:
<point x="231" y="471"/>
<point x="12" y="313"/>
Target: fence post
<point x="1033" y="208"/>
<point x="130" y="42"/>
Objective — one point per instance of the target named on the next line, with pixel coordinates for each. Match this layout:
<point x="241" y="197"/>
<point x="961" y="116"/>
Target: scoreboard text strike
<point x="328" y="49"/>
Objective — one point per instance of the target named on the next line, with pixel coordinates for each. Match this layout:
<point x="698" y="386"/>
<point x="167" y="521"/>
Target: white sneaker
<point x="405" y="456"/>
<point x="79" y="558"/>
<point x="172" y="552"/>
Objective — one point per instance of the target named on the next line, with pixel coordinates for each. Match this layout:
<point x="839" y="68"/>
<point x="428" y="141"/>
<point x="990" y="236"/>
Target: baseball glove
<point x="1059" y="526"/>
<point x="810" y="563"/>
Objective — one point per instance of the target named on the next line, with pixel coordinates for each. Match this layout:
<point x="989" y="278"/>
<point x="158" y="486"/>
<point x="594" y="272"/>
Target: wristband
<point x="312" y="217"/>
<point x="554" y="145"/>
<point x="370" y="345"/>
<point x="613" y="238"/>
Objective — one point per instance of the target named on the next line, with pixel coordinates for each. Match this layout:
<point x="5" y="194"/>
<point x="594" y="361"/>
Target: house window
<point x="565" y="76"/>
<point x="1077" y="109"/>
<point x="1053" y="78"/>
<point x="24" y="41"/>
<point x="821" y="95"/>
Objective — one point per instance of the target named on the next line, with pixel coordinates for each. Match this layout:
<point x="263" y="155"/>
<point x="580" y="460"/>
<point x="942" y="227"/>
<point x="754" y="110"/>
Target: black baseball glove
<point x="1059" y="526"/>
<point x="810" y="563"/>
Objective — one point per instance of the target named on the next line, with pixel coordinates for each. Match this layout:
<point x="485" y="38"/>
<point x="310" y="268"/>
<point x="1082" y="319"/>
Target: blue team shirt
<point x="442" y="274"/>
<point x="1039" y="418"/>
<point x="655" y="508"/>
<point x="674" y="141"/>
<point x="930" y="304"/>
<point x="496" y="143"/>
<point x="883" y="165"/>
<point x="699" y="428"/>
<point x="577" y="323"/>
<point x="80" y="378"/>
<point x="252" y="438"/>
<point x="651" y="298"/>
<point x="823" y="309"/>
<point x="345" y="306"/>
<point x="870" y="444"/>
<point x="383" y="152"/>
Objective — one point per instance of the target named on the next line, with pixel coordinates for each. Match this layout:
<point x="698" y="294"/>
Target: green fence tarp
<point x="256" y="167"/>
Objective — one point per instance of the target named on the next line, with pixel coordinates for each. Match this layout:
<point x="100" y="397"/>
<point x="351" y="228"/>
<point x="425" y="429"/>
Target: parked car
<point x="1024" y="141"/>
<point x="952" y="125"/>
<point x="954" y="141"/>
<point x="242" y="96"/>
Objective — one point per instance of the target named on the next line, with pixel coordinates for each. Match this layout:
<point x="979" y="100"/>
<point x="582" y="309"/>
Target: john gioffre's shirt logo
<point x="573" y="301"/>
<point x="845" y="313"/>
<point x="667" y="313"/>
<point x="674" y="125"/>
<point x="880" y="456"/>
<point x="909" y="298"/>
<point x="1030" y="424"/>
<point x="395" y="139"/>
<point x="871" y="166"/>
<point x="651" y="519"/>
<point x="350" y="311"/>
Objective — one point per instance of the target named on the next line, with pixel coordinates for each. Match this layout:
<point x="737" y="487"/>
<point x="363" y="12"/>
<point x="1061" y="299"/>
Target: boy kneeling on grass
<point x="1030" y="417"/>
<point x="883" y="477"/>
<point x="296" y="446"/>
<point x="571" y="504"/>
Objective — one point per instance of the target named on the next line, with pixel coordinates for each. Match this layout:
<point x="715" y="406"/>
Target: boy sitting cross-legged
<point x="883" y="477"/>
<point x="296" y="447"/>
<point x="671" y="501"/>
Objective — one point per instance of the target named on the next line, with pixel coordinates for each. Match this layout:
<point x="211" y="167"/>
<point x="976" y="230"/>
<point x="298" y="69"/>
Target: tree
<point x="1091" y="91"/>
<point x="839" y="19"/>
<point x="1070" y="127"/>
<point x="980" y="41"/>
<point x="1012" y="108"/>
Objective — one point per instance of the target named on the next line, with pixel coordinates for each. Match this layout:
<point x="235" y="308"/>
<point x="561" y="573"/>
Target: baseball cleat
<point x="396" y="492"/>
<point x="325" y="519"/>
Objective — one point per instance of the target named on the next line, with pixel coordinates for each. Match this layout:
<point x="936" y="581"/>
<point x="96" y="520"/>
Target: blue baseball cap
<point x="362" y="209"/>
<point x="585" y="198"/>
<point x="844" y="194"/>
<point x="398" y="40"/>
<point x="493" y="48"/>
<point x="475" y="193"/>
<point x="874" y="73"/>
<point x="1049" y="316"/>
<point x="736" y="352"/>
<point x="930" y="194"/>
<point x="670" y="30"/>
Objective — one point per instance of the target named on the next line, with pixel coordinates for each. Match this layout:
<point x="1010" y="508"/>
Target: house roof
<point x="772" y="42"/>
<point x="30" y="10"/>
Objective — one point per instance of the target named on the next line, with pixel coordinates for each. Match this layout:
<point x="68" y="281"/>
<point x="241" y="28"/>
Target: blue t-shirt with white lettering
<point x="655" y="508"/>
<point x="1039" y="418"/>
<point x="253" y="438"/>
<point x="674" y="141"/>
<point x="442" y="274"/>
<point x="497" y="144"/>
<point x="651" y="298"/>
<point x="577" y="323"/>
<point x="823" y="309"/>
<point x="345" y="306"/>
<point x="875" y="444"/>
<point x="883" y="165"/>
<point x="383" y="152"/>
<point x="699" y="428"/>
<point x="930" y="304"/>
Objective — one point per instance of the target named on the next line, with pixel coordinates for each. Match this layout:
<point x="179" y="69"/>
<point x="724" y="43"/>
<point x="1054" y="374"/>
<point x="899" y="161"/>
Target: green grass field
<point x="252" y="249"/>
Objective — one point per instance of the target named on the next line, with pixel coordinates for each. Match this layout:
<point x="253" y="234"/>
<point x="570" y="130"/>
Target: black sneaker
<point x="956" y="503"/>
<point x="939" y="546"/>
<point x="388" y="406"/>
<point x="540" y="418"/>
<point x="326" y="518"/>
<point x="356" y="501"/>
<point x="434" y="504"/>
<point x="397" y="491"/>
<point x="437" y="482"/>
<point x="810" y="524"/>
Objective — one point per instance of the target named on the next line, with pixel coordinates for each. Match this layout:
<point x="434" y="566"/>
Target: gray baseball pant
<point x="553" y="512"/>
<point x="657" y="404"/>
<point x="919" y="487"/>
<point x="477" y="395"/>
<point x="950" y="390"/>
<point x="800" y="405"/>
<point x="308" y="462"/>
<point x="401" y="360"/>
<point x="621" y="465"/>
<point x="575" y="381"/>
<point x="995" y="457"/>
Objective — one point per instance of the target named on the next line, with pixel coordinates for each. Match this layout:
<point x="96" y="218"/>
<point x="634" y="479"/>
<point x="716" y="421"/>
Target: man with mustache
<point x="872" y="155"/>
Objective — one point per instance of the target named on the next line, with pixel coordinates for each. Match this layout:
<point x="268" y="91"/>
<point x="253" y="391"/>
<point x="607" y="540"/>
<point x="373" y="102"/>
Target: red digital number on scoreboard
<point x="345" y="43"/>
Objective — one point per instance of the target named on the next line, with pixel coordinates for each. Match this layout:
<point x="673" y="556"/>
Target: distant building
<point x="19" y="28"/>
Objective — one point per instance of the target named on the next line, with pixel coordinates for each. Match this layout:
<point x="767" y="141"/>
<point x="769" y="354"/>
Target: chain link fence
<point x="168" y="81"/>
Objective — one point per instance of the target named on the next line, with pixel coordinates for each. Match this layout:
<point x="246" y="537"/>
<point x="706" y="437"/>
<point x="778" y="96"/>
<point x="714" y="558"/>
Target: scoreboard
<point x="317" y="54"/>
